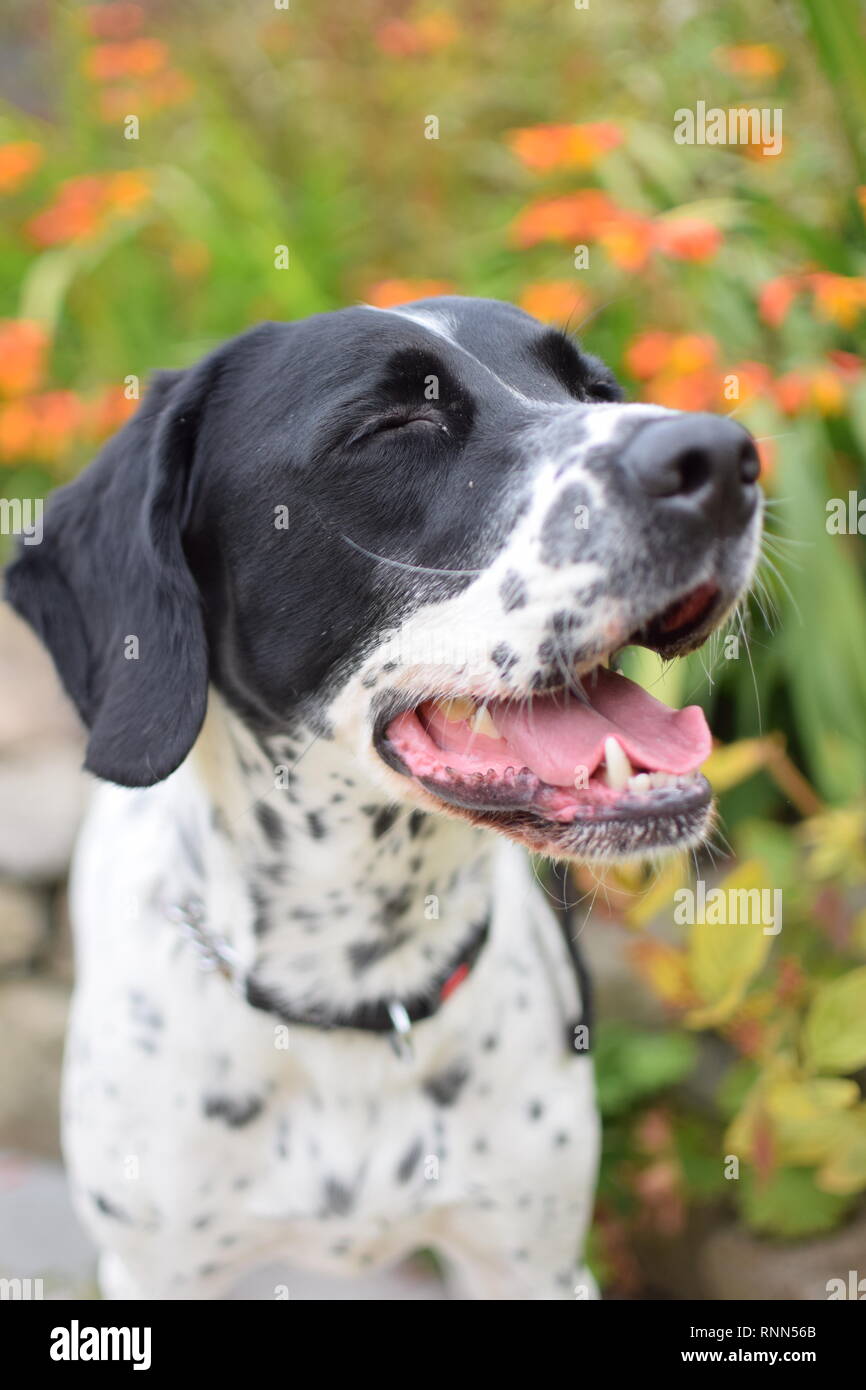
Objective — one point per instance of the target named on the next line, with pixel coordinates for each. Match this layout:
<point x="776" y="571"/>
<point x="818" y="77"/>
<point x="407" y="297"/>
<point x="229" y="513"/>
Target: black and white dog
<point x="335" y="603"/>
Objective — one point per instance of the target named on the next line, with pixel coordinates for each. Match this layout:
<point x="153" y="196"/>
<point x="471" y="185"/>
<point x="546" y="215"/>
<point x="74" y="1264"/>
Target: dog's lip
<point x="684" y="624"/>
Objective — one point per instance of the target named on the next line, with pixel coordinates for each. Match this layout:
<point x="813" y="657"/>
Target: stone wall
<point x="42" y="797"/>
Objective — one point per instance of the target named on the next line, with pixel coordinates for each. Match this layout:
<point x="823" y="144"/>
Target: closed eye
<point x="385" y="424"/>
<point x="604" y="391"/>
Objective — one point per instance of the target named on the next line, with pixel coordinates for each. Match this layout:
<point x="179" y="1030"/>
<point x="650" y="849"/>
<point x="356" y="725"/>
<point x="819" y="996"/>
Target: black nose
<point x="699" y="467"/>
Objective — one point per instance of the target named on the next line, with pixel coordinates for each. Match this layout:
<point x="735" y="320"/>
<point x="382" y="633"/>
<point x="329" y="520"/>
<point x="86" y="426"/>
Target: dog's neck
<point x="330" y="893"/>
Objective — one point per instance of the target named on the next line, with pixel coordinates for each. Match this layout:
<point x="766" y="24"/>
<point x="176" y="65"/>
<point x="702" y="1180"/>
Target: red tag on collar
<point x="454" y="981"/>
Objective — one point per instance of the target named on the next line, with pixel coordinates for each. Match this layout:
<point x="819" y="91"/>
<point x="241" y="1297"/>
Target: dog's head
<point x="422" y="533"/>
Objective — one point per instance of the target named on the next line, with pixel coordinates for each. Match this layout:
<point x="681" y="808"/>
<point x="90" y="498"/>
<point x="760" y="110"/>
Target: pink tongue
<point x="556" y="734"/>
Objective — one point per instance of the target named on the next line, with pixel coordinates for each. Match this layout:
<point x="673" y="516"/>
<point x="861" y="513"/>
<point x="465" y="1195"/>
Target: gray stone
<point x="43" y="791"/>
<point x="736" y="1264"/>
<point x="33" y="1014"/>
<point x="23" y="925"/>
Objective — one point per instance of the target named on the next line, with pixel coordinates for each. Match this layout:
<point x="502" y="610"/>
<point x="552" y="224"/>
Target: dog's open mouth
<point x="599" y="768"/>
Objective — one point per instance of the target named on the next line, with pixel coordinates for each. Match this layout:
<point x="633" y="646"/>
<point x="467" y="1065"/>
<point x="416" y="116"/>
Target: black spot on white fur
<point x="445" y="1087"/>
<point x="234" y="1111"/>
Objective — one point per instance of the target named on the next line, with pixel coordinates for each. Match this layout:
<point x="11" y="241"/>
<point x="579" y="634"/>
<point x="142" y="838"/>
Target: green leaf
<point x="632" y="1064"/>
<point x="789" y="1203"/>
<point x="724" y="957"/>
<point x="834" y="1034"/>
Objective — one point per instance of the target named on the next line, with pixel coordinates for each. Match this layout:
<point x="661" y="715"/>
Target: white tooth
<point x="661" y="779"/>
<point x="456" y="709"/>
<point x="640" y="783"/>
<point x="618" y="769"/>
<point x="481" y="723"/>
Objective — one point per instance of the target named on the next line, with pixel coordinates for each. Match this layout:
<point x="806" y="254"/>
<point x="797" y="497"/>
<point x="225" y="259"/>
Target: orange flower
<point x="545" y="147"/>
<point x="58" y="418"/>
<point x="23" y="349"/>
<point x="126" y="192"/>
<point x="386" y="293"/>
<point x="754" y="380"/>
<point x="767" y="453"/>
<point x="17" y="430"/>
<point x="114" y="21"/>
<point x="574" y="216"/>
<point x="776" y="297"/>
<point x="847" y="364"/>
<point x="827" y="393"/>
<point x="687" y="238"/>
<point x="169" y="88"/>
<point x="694" y="391"/>
<point x="138" y="58"/>
<point x="692" y="352"/>
<point x="680" y="370"/>
<point x="792" y="392"/>
<point x="750" y="60"/>
<point x="398" y="38"/>
<point x="84" y="205"/>
<point x="838" y="298"/>
<point x="73" y="216"/>
<point x="436" y="30"/>
<point x="648" y="353"/>
<point x="555" y="301"/>
<point x="403" y="38"/>
<point x="820" y="388"/>
<point x="627" y="240"/>
<point x="110" y="410"/>
<point x="17" y="162"/>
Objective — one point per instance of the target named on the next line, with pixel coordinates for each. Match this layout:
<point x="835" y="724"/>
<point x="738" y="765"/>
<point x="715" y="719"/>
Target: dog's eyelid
<point x="394" y="420"/>
<point x="602" y="389"/>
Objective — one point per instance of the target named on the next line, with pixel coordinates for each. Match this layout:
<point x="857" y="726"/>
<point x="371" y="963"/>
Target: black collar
<point x="392" y="1016"/>
<point x="384" y="1015"/>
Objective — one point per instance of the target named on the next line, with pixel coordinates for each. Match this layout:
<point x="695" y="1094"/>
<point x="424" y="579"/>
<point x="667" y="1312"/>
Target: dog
<point x="335" y="604"/>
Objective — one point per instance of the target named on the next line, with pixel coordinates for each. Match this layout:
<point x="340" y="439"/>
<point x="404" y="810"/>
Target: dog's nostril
<point x="693" y="470"/>
<point x="750" y="463"/>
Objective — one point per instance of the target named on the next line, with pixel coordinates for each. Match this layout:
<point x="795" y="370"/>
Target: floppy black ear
<point x="109" y="592"/>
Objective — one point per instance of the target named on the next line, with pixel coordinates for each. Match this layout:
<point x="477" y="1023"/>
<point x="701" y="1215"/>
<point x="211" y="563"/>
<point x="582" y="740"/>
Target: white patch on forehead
<point x="440" y="324"/>
<point x="444" y="326"/>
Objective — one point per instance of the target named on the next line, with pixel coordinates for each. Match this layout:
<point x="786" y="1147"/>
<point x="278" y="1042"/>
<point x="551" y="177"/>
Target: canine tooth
<point x="618" y="769"/>
<point x="456" y="709"/>
<point x="481" y="723"/>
